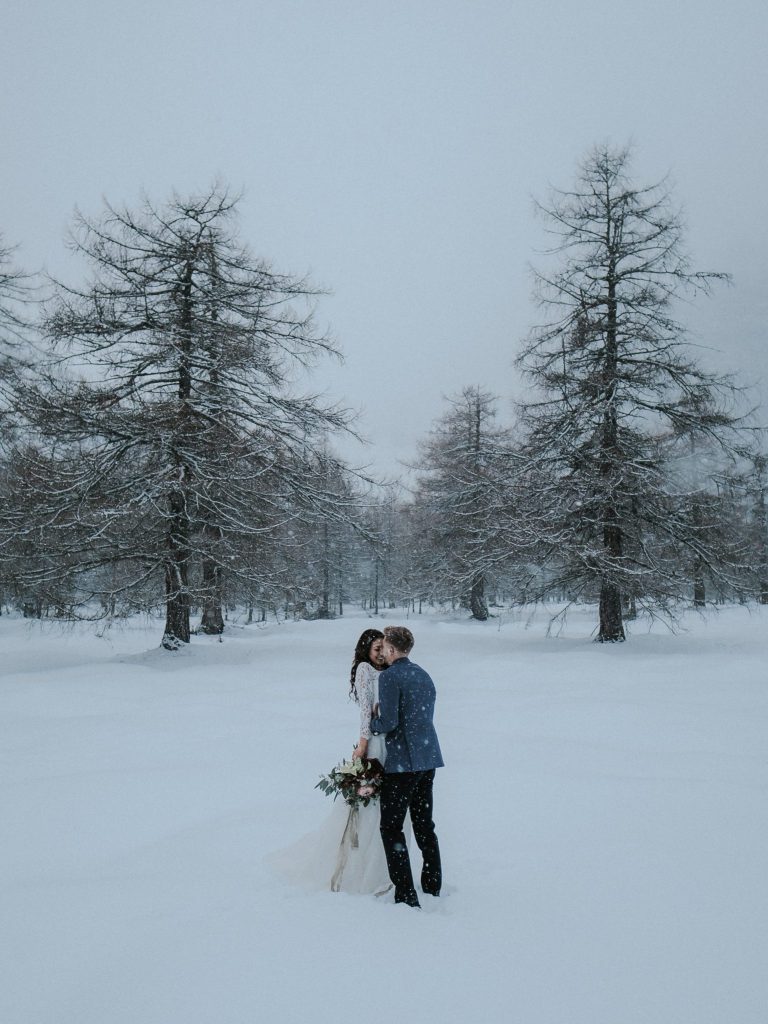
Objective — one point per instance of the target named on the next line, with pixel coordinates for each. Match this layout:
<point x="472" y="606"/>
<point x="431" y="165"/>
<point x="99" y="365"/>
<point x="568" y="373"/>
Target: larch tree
<point x="185" y="445"/>
<point x="611" y="375"/>
<point x="17" y="294"/>
<point x="15" y="297"/>
<point x="461" y="500"/>
<point x="757" y="494"/>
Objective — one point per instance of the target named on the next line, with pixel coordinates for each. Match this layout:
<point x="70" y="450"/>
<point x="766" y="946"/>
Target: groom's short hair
<point x="400" y="637"/>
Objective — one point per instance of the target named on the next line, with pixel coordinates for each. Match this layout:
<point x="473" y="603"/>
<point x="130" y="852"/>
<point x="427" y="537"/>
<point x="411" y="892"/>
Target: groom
<point x="406" y="706"/>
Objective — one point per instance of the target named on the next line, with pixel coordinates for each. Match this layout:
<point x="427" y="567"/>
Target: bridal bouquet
<point x="358" y="781"/>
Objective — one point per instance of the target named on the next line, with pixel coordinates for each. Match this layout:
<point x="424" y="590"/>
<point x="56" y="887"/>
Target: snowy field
<point x="603" y="817"/>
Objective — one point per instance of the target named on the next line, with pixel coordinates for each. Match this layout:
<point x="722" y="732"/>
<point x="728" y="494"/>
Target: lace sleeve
<point x="364" y="687"/>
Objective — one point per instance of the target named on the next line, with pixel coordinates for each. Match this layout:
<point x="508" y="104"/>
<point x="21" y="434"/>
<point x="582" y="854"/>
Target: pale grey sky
<point x="391" y="150"/>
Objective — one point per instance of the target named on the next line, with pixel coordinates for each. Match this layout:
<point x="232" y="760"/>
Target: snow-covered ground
<point x="603" y="817"/>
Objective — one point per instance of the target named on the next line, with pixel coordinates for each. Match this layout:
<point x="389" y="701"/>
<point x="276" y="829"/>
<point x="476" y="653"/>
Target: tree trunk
<point x="177" y="600"/>
<point x="176" y="608"/>
<point x="699" y="590"/>
<point x="611" y="615"/>
<point x="611" y="624"/>
<point x="324" y="612"/>
<point x="212" y="620"/>
<point x="630" y="608"/>
<point x="477" y="602"/>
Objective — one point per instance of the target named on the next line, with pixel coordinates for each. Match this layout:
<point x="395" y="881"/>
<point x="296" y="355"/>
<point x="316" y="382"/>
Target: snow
<point x="603" y="817"/>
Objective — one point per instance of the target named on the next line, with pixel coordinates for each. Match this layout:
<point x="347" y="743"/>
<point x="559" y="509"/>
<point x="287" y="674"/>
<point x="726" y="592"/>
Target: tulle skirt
<point x="344" y="855"/>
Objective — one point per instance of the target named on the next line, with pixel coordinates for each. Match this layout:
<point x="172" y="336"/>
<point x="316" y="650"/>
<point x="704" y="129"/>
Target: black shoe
<point x="409" y="901"/>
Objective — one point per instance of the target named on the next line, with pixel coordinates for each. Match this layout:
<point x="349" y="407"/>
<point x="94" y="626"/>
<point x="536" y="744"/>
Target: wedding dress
<point x="346" y="853"/>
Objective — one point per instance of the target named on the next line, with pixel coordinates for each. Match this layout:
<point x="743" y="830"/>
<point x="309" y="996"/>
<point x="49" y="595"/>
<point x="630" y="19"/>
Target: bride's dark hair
<point x="362" y="653"/>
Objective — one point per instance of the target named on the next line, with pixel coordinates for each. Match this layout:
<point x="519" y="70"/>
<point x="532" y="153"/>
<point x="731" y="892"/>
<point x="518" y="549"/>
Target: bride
<point x="346" y="854"/>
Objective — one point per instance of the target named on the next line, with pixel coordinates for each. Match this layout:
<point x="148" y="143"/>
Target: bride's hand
<point x="360" y="750"/>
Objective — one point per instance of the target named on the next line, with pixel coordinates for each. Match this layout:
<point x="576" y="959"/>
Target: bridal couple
<point x="367" y="851"/>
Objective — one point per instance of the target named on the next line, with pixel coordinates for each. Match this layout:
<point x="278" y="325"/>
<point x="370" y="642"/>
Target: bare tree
<point x="17" y="294"/>
<point x="757" y="492"/>
<point x="612" y="375"/>
<point x="188" y="447"/>
<point x="462" y="501"/>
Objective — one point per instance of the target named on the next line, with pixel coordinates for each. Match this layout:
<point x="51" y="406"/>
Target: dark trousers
<point x="401" y="792"/>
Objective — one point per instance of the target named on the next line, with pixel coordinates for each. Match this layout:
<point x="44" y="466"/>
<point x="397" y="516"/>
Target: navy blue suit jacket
<point x="406" y="707"/>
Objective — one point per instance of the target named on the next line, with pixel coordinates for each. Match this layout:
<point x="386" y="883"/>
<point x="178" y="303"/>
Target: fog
<point x="391" y="151"/>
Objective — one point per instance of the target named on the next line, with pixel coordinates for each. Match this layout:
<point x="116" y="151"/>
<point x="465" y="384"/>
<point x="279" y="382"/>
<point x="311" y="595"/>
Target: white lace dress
<point x="346" y="853"/>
